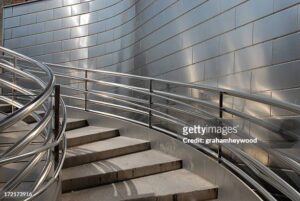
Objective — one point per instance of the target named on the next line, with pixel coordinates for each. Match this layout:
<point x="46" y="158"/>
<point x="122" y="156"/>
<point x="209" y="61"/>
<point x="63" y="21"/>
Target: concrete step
<point x="104" y="149"/>
<point x="89" y="134"/>
<point x="73" y="123"/>
<point x="178" y="185"/>
<point x="118" y="169"/>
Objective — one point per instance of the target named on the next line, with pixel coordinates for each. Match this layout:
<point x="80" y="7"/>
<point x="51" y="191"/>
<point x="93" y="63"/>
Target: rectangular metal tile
<point x="253" y="57"/>
<point x="276" y="25"/>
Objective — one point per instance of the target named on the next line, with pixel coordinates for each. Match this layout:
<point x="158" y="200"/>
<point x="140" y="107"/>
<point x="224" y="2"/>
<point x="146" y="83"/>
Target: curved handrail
<point x="49" y="136"/>
<point x="196" y="107"/>
<point x="253" y="97"/>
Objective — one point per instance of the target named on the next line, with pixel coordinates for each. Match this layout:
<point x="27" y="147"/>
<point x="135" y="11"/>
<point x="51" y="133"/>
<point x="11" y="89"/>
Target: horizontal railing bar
<point x="110" y="115"/>
<point x="181" y="111"/>
<point x="140" y="90"/>
<point x="110" y="105"/>
<point x="127" y="108"/>
<point x="187" y="98"/>
<point x="95" y="92"/>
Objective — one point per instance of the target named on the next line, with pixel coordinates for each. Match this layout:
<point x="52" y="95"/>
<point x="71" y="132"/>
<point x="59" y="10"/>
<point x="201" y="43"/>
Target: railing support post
<point x="86" y="89"/>
<point x="56" y="121"/>
<point x="221" y="117"/>
<point x="150" y="104"/>
<point x="13" y="92"/>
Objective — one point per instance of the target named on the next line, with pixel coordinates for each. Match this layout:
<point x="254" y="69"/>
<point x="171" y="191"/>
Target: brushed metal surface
<point x="247" y="45"/>
<point x="276" y="25"/>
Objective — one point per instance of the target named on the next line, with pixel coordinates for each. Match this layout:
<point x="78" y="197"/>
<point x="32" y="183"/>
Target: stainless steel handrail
<point x="253" y="97"/>
<point x="49" y="136"/>
<point x="202" y="108"/>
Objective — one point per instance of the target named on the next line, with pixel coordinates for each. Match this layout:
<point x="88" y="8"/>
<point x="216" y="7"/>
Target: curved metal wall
<point x="248" y="45"/>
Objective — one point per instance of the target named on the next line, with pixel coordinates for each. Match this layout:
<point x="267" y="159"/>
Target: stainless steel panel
<point x="279" y="4"/>
<point x="206" y="50"/>
<point x="79" y="31"/>
<point x="276" y="25"/>
<point x="180" y="59"/>
<point x="61" y="34"/>
<point x="46" y="37"/>
<point x="281" y="76"/>
<point x="97" y="5"/>
<point x="227" y="4"/>
<point x="70" y="22"/>
<point x="70" y="2"/>
<point x="11" y="22"/>
<point x="61" y="57"/>
<point x="27" y="41"/>
<point x="239" y="81"/>
<point x="80" y="8"/>
<point x="252" y="10"/>
<point x="191" y="73"/>
<point x="96" y="51"/>
<point x="62" y="12"/>
<point x="104" y="60"/>
<point x="7" y="34"/>
<point x="164" y="49"/>
<point x="288" y="95"/>
<point x="79" y="54"/>
<point x="286" y="48"/>
<point x="7" y="12"/>
<point x="12" y="43"/>
<point x="28" y="19"/>
<point x="236" y="39"/>
<point x="105" y="37"/>
<point x="44" y="15"/>
<point x="96" y="27"/>
<point x="219" y="66"/>
<point x="53" y="25"/>
<point x="253" y="57"/>
<point x="20" y="10"/>
<point x="71" y="44"/>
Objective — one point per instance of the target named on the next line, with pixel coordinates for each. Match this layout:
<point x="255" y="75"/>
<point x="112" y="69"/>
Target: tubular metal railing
<point x="36" y="151"/>
<point x="151" y="102"/>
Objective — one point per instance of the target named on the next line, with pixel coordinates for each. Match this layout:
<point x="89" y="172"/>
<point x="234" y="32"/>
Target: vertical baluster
<point x="56" y="121"/>
<point x="150" y="103"/>
<point x="86" y="90"/>
<point x="221" y="117"/>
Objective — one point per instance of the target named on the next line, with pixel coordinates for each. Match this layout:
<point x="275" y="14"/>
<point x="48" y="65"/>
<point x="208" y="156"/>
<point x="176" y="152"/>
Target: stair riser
<point x="96" y="156"/>
<point x="30" y="119"/>
<point x="76" y="124"/>
<point x="95" y="180"/>
<point x="202" y="195"/>
<point x="91" y="138"/>
<point x="5" y="109"/>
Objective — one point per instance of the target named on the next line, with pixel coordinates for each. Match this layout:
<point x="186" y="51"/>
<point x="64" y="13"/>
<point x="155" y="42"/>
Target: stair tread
<point x="85" y="131"/>
<point x="178" y="182"/>
<point x="121" y="163"/>
<point x="104" y="145"/>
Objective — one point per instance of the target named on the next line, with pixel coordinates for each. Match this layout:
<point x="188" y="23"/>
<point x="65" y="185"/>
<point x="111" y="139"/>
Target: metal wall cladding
<point x="248" y="45"/>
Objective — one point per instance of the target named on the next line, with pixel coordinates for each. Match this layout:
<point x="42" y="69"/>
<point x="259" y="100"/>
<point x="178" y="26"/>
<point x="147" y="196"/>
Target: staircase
<point x="102" y="165"/>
